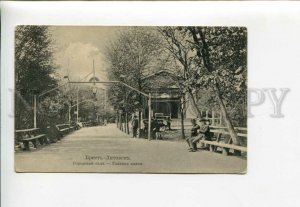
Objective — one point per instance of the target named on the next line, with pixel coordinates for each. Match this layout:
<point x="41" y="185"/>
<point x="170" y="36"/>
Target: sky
<point x="77" y="46"/>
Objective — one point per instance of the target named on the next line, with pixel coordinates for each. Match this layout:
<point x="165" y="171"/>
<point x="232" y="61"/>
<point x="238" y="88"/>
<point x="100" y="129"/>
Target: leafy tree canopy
<point x="34" y="67"/>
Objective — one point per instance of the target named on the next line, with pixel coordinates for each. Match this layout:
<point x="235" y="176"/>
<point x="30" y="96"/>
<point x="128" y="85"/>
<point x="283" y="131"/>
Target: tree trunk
<point x="120" y="122"/>
<point x="123" y="123"/>
<point x="203" y="53"/>
<point x="228" y="123"/>
<point x="139" y="124"/>
<point x="182" y="123"/>
<point x="127" y="125"/>
<point x="182" y="110"/>
<point x="194" y="102"/>
<point x="117" y="120"/>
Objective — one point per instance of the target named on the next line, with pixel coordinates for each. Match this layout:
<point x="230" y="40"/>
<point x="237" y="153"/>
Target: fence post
<point x="213" y="118"/>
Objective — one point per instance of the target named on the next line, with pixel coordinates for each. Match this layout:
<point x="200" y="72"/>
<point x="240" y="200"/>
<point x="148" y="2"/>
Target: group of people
<point x="155" y="126"/>
<point x="199" y="131"/>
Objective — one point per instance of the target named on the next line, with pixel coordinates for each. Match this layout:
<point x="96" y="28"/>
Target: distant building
<point x="165" y="94"/>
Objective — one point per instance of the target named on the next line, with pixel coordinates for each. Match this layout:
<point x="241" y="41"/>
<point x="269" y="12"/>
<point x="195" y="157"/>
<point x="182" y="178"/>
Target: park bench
<point x="26" y="136"/>
<point x="162" y="117"/>
<point x="72" y="128"/>
<point x="219" y="141"/>
<point x="87" y="124"/>
<point x="65" y="129"/>
<point x="158" y="134"/>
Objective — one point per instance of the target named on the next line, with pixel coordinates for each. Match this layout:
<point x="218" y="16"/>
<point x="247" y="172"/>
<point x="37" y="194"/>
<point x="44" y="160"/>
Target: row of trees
<point x="34" y="70"/>
<point x="210" y="59"/>
<point x="132" y="55"/>
<point x="202" y="58"/>
<point x="35" y="73"/>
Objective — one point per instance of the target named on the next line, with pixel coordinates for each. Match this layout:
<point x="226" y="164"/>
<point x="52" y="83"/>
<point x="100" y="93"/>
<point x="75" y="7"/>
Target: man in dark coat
<point x="198" y="132"/>
<point x="135" y="125"/>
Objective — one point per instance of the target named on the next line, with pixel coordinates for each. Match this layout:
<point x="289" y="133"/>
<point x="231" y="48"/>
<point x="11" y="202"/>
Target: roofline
<point x="158" y="72"/>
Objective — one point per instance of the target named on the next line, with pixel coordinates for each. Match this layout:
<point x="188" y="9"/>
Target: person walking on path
<point x="169" y="123"/>
<point x="134" y="124"/>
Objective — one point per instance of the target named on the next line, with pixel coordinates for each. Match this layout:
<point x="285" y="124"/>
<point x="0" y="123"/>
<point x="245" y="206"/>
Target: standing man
<point x="169" y="123"/>
<point x="134" y="124"/>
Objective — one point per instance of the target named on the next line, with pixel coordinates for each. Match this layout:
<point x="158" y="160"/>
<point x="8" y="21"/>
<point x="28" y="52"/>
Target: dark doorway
<point x="166" y="107"/>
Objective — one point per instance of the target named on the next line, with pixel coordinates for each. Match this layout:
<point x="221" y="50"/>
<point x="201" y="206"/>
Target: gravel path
<point x="106" y="149"/>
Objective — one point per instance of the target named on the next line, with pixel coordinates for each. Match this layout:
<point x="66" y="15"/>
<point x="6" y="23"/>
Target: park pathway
<point x="106" y="149"/>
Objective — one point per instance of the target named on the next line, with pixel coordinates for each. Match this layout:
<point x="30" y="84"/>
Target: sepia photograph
<point x="150" y="104"/>
<point x="130" y="99"/>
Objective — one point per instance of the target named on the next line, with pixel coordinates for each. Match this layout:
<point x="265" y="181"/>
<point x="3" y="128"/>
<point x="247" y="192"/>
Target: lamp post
<point x="77" y="98"/>
<point x="149" y="116"/>
<point x="35" y="100"/>
<point x="128" y="86"/>
<point x="105" y="102"/>
<point x="34" y="91"/>
<point x="95" y="80"/>
<point x="34" y="112"/>
<point x="95" y="92"/>
<point x="69" y="113"/>
<point x="77" y="105"/>
<point x="77" y="114"/>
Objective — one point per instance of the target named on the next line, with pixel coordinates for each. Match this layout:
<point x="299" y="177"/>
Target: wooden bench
<point x="159" y="134"/>
<point x="225" y="147"/>
<point x="34" y="136"/>
<point x="87" y="124"/>
<point x="65" y="129"/>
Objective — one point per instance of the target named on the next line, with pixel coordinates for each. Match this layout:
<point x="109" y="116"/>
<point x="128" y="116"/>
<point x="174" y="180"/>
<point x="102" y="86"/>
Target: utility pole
<point x="34" y="112"/>
<point x="46" y="92"/>
<point x="105" y="101"/>
<point x="77" y="114"/>
<point x="149" y="117"/>
<point x="94" y="71"/>
<point x="128" y="86"/>
<point x="70" y="114"/>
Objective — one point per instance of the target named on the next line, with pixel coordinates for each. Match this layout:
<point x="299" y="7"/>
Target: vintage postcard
<point x="130" y="99"/>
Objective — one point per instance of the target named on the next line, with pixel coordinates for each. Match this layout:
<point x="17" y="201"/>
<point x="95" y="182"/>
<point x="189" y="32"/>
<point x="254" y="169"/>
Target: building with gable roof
<point x="165" y="93"/>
